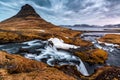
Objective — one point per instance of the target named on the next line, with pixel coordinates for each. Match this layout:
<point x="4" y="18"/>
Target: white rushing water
<point x="59" y="43"/>
<point x="53" y="57"/>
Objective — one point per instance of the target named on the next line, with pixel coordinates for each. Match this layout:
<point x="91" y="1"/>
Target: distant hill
<point x="86" y="25"/>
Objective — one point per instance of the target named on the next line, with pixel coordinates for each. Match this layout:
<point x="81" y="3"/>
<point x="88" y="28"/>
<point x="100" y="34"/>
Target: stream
<point x="48" y="52"/>
<point x="112" y="49"/>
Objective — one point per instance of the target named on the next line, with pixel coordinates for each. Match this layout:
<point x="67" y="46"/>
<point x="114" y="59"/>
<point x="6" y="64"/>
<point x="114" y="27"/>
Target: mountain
<point x="26" y="17"/>
<point x="81" y="25"/>
<point x="112" y="26"/>
<point x="87" y="25"/>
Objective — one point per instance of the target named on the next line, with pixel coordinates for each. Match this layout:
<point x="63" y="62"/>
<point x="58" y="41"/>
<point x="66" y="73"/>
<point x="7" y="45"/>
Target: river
<point x="48" y="52"/>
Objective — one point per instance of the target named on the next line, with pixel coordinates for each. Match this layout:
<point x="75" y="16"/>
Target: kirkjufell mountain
<point x="26" y="17"/>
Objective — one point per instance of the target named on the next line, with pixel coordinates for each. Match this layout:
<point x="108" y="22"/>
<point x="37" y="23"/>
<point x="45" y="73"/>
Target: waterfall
<point x="53" y="57"/>
<point x="81" y="67"/>
<point x="112" y="49"/>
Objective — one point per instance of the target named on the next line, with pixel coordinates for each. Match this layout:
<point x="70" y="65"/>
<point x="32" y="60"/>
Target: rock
<point x="72" y="71"/>
<point x="26" y="11"/>
<point x="18" y="64"/>
<point x="108" y="73"/>
<point x="47" y="74"/>
<point x="3" y="72"/>
<point x="94" y="56"/>
<point x="17" y="67"/>
<point x="111" y="38"/>
<point x="103" y="73"/>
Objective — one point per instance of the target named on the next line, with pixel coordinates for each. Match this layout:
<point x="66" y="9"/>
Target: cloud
<point x="68" y="11"/>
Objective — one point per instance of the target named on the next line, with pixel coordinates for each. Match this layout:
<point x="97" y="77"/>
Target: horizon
<point x="61" y="12"/>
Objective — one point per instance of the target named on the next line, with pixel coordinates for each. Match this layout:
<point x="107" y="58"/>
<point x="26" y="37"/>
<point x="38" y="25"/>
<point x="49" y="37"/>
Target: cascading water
<point x="112" y="49"/>
<point x="45" y="51"/>
<point x="53" y="57"/>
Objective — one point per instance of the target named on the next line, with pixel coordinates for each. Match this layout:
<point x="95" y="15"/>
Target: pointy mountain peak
<point x="26" y="17"/>
<point x="27" y="10"/>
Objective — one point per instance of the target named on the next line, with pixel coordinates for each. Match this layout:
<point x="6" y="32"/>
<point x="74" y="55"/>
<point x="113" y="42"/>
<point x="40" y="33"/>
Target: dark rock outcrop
<point x="26" y="11"/>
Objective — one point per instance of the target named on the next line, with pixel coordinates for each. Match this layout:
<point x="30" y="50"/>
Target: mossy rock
<point x="94" y="56"/>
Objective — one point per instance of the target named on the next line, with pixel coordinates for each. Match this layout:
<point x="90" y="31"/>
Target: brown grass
<point x="94" y="56"/>
<point x="15" y="67"/>
<point x="111" y="38"/>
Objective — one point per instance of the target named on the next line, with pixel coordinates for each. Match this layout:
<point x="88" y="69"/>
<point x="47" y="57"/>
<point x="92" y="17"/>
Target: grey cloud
<point x="68" y="11"/>
<point x="77" y="5"/>
<point x="44" y="3"/>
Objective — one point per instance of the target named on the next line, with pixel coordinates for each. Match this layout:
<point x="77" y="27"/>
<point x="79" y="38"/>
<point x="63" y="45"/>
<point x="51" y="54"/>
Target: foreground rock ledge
<point x="15" y="67"/>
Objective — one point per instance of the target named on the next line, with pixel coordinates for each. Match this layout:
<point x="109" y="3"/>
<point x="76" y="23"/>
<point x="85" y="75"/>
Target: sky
<point x="67" y="12"/>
